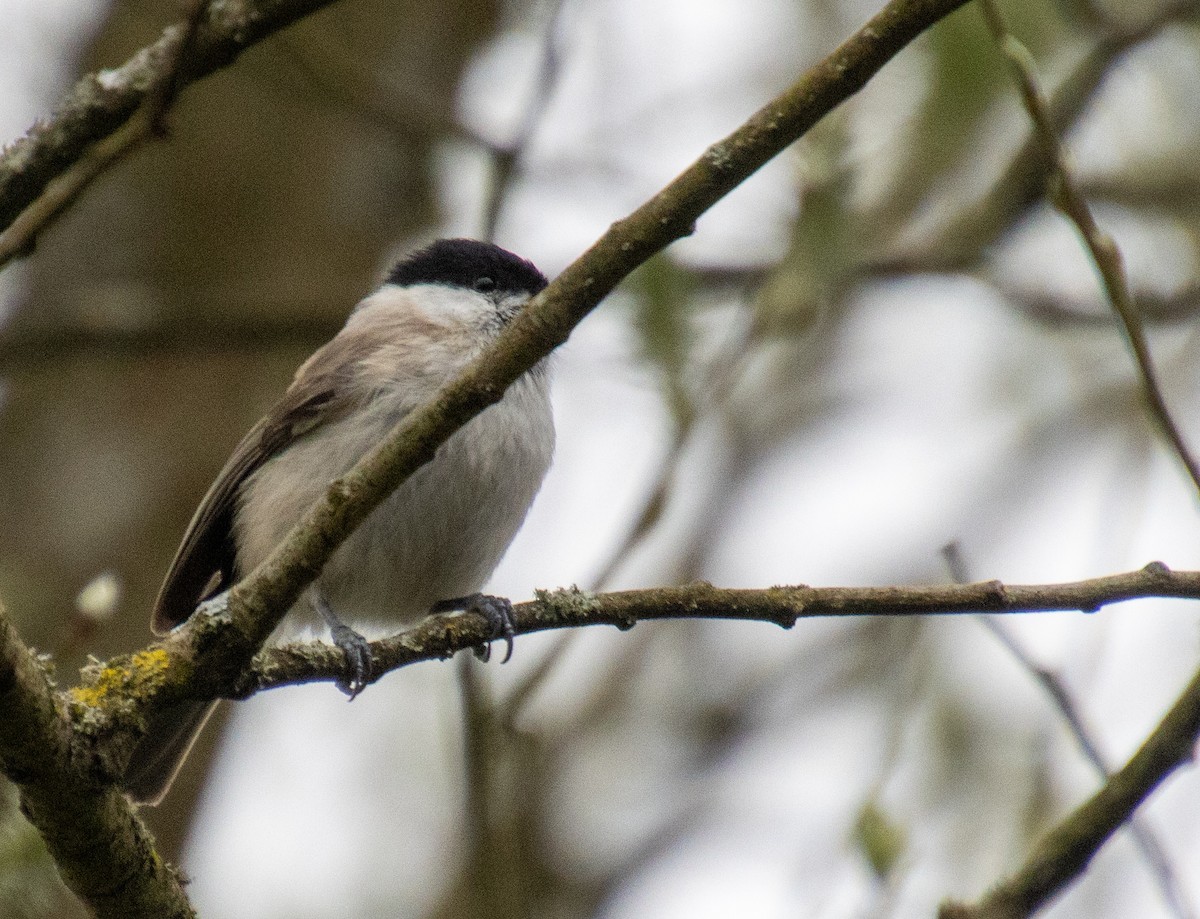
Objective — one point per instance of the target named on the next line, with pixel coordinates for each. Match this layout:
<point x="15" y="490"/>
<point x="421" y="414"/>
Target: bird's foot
<point x="498" y="611"/>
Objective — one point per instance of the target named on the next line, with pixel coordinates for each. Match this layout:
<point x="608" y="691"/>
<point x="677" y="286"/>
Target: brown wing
<point x="204" y="564"/>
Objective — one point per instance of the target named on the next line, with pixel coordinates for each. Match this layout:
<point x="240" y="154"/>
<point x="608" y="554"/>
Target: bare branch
<point x="102" y="104"/>
<point x="1104" y="252"/>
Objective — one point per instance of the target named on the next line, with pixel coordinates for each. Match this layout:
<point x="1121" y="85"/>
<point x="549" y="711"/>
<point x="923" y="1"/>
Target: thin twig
<point x="1104" y="252"/>
<point x="1144" y="837"/>
<point x="173" y="78"/>
<point x="1063" y="853"/>
<point x="478" y="788"/>
<point x="440" y="636"/>
<point x="380" y="99"/>
<point x="723" y="376"/>
<point x="17" y="240"/>
<point x="187" y="334"/>
<point x="959" y="243"/>
<point x="507" y="158"/>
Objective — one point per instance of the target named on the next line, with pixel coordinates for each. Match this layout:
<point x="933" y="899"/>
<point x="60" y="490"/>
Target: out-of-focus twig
<point x="1181" y="306"/>
<point x="959" y="243"/>
<point x="726" y="370"/>
<point x="100" y="103"/>
<point x="1144" y="837"/>
<point x="192" y="335"/>
<point x="724" y="374"/>
<point x="1064" y="852"/>
<point x="386" y="101"/>
<point x="507" y="158"/>
<point x="1104" y="252"/>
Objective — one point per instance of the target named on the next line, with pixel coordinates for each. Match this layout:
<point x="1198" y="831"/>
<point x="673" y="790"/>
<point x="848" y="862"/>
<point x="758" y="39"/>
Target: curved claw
<point x="498" y="612"/>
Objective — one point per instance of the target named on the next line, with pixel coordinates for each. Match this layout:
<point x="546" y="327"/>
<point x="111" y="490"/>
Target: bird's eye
<point x="485" y="285"/>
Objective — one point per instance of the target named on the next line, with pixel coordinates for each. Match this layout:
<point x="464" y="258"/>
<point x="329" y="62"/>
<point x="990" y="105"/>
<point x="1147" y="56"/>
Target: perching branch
<point x="439" y="637"/>
<point x="1058" y="858"/>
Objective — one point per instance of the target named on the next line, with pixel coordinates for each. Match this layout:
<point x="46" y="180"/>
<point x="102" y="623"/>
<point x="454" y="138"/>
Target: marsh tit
<point x="433" y="543"/>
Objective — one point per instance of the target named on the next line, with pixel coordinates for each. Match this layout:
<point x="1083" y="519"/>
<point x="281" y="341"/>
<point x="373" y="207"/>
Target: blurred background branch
<point x="1063" y="853"/>
<point x="1066" y="196"/>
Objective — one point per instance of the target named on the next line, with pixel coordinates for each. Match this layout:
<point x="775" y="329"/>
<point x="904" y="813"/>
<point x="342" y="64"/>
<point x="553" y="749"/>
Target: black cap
<point x="468" y="263"/>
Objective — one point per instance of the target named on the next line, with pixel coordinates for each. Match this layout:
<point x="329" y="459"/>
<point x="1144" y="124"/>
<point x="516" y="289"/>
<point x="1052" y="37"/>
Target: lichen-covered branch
<point x="440" y="636"/>
<point x="103" y="852"/>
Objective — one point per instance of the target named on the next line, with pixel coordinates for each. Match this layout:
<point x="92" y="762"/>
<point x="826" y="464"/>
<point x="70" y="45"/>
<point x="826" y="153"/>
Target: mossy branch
<point x="102" y="850"/>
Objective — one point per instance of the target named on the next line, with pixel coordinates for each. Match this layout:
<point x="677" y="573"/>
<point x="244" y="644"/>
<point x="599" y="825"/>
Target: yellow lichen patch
<point x="141" y="671"/>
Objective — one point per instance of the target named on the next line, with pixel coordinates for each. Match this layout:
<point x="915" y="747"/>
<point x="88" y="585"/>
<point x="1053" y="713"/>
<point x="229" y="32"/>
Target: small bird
<point x="433" y="543"/>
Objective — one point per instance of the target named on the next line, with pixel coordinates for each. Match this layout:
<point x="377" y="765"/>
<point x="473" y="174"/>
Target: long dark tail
<point x="157" y="758"/>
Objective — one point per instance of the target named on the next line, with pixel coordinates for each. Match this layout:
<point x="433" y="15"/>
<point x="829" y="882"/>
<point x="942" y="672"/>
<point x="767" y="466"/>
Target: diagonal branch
<point x="1064" y="852"/>
<point x="1100" y="245"/>
<point x="102" y="103"/>
<point x="258" y="603"/>
<point x="102" y="850"/>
